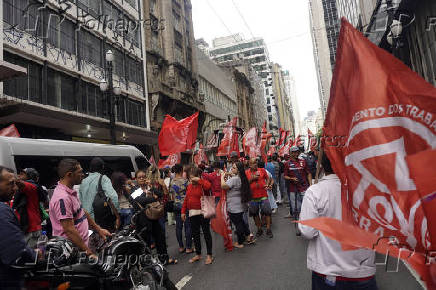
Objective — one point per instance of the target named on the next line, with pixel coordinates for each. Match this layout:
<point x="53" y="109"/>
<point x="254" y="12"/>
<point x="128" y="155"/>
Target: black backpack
<point x="104" y="214"/>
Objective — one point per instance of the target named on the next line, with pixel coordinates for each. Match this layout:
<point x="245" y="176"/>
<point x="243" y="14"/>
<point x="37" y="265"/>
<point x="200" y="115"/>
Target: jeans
<point x="179" y="231"/>
<point x="242" y="230"/>
<point x="319" y="283"/>
<point x="291" y="196"/>
<point x="126" y="216"/>
<point x="197" y="222"/>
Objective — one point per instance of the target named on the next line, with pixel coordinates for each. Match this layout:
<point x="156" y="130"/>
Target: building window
<point x="68" y="37"/>
<point x="118" y="63"/>
<point x="90" y="48"/>
<point x="270" y="118"/>
<point x="268" y="101"/>
<point x="90" y="6"/>
<point x="268" y="109"/>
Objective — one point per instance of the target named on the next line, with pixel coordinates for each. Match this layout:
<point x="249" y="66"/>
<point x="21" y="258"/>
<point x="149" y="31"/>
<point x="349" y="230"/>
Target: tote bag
<point x="208" y="209"/>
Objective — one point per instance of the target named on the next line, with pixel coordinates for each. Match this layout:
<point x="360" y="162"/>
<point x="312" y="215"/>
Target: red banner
<point x="230" y="141"/>
<point x="200" y="156"/>
<point x="172" y="160"/>
<point x="385" y="115"/>
<point x="249" y="143"/>
<point x="272" y="150"/>
<point x="178" y="136"/>
<point x="265" y="137"/>
<point x="10" y="131"/>
<point x="221" y="223"/>
<point x="312" y="141"/>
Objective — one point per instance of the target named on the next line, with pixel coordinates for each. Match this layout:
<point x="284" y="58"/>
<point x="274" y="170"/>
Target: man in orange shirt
<point x="259" y="184"/>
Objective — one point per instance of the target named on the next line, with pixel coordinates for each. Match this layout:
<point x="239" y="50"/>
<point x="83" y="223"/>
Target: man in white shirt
<point x="333" y="268"/>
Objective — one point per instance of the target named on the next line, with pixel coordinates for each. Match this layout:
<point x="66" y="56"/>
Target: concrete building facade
<point x="293" y="101"/>
<point x="217" y="90"/>
<point x="255" y="53"/>
<point x="171" y="61"/>
<point x="283" y="102"/>
<point x="62" y="44"/>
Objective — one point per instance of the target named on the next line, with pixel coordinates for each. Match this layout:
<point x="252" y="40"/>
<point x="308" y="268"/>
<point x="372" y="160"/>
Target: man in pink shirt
<point x="68" y="218"/>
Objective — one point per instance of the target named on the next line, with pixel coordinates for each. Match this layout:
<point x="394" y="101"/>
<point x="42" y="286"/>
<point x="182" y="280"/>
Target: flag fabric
<point x="312" y="141"/>
<point x="230" y="141"/>
<point x="200" y="156"/>
<point x="221" y="223"/>
<point x="279" y="140"/>
<point x="172" y="160"/>
<point x="271" y="150"/>
<point x="285" y="149"/>
<point x="212" y="142"/>
<point x="10" y="131"/>
<point x="265" y="137"/>
<point x="249" y="143"/>
<point x="177" y="136"/>
<point x="379" y="133"/>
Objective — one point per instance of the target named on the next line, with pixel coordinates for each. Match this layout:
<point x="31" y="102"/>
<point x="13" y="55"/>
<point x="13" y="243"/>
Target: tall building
<point x="253" y="52"/>
<point x="283" y="102"/>
<point x="63" y="44"/>
<point x="171" y="62"/>
<point x="351" y="10"/>
<point x="324" y="29"/>
<point x="293" y="101"/>
<point x="218" y="92"/>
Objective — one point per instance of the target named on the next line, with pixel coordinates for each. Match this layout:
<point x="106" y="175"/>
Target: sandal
<point x="181" y="250"/>
<point x="195" y="259"/>
<point x="237" y="245"/>
<point x="209" y="260"/>
<point x="172" y="262"/>
<point x="189" y="251"/>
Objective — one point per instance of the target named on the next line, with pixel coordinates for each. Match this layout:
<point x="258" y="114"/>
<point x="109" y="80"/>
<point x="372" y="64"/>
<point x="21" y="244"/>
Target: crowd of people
<point x="250" y="188"/>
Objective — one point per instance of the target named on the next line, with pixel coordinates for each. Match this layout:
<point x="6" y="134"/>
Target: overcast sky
<point x="285" y="26"/>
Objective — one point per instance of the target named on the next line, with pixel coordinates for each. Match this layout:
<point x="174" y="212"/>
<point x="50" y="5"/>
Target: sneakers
<point x="269" y="234"/>
<point x="259" y="233"/>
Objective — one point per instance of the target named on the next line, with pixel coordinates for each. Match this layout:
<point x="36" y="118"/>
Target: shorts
<point x="263" y="206"/>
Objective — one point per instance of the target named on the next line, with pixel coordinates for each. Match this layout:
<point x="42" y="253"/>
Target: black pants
<point x="153" y="229"/>
<point x="198" y="221"/>
<point x="242" y="230"/>
<point x="320" y="283"/>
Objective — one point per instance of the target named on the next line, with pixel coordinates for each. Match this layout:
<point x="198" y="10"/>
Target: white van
<point x="44" y="156"/>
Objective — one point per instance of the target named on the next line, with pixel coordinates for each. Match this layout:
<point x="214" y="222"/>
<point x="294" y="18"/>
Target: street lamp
<point x="107" y="86"/>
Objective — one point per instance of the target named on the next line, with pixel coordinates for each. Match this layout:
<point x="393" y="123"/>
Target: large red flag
<point x="178" y="136"/>
<point x="221" y="223"/>
<point x="230" y="142"/>
<point x="10" y="131"/>
<point x="382" y="122"/>
<point x="249" y="143"/>
<point x="282" y="139"/>
<point x="200" y="156"/>
<point x="172" y="160"/>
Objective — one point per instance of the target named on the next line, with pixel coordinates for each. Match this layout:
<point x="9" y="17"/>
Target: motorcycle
<point x="124" y="262"/>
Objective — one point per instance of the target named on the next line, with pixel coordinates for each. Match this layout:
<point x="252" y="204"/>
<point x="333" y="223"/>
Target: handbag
<point x="155" y="210"/>
<point x="208" y="209"/>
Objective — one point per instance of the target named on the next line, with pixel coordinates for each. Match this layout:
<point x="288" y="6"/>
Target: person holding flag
<point x="299" y="177"/>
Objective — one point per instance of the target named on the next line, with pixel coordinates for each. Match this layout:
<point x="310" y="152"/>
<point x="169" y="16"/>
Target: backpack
<point x="104" y="210"/>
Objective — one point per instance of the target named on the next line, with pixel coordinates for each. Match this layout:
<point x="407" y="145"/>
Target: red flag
<point x="383" y="114"/>
<point x="10" y="131"/>
<point x="265" y="136"/>
<point x="230" y="141"/>
<point x="172" y="160"/>
<point x="177" y="136"/>
<point x="200" y="156"/>
<point x="249" y="143"/>
<point x="312" y="140"/>
<point x="272" y="150"/>
<point x="221" y="223"/>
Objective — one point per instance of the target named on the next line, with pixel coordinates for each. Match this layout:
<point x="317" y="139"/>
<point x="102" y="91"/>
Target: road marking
<point x="183" y="281"/>
<point x="415" y="275"/>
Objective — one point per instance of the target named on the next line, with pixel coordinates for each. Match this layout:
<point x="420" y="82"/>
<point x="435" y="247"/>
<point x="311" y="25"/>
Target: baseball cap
<point x="294" y="149"/>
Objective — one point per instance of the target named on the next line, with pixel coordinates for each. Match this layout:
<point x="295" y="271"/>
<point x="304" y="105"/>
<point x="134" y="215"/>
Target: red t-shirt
<point x="33" y="211"/>
<point x="299" y="170"/>
<point x="215" y="180"/>
<point x="194" y="194"/>
<point x="258" y="189"/>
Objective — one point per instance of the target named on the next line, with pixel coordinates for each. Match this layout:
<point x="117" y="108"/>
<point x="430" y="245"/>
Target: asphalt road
<point x="278" y="263"/>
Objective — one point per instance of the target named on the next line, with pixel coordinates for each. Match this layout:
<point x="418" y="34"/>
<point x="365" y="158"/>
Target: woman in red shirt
<point x="192" y="206"/>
